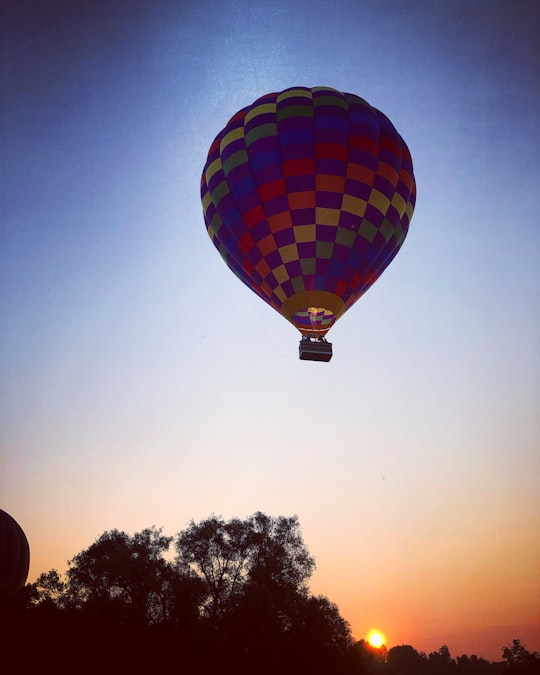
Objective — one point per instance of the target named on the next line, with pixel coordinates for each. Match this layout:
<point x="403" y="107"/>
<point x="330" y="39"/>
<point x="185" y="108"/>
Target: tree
<point x="368" y="658"/>
<point x="473" y="665"/>
<point x="405" y="660"/>
<point x="441" y="661"/>
<point x="235" y="595"/>
<point x="48" y="589"/>
<point x="255" y="574"/>
<point x="279" y="555"/>
<point x="322" y="636"/>
<point x="216" y="552"/>
<point x="263" y="554"/>
<point x="520" y="660"/>
<point x="128" y="573"/>
<point x="297" y="633"/>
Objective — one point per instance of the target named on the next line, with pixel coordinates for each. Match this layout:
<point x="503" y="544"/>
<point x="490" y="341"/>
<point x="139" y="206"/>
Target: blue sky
<point x="142" y="383"/>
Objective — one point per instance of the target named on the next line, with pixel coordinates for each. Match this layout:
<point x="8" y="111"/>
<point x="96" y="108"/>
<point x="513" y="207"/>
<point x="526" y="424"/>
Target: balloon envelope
<point x="308" y="194"/>
<point x="14" y="554"/>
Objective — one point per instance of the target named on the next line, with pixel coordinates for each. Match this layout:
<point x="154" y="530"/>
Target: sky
<point x="141" y="383"/>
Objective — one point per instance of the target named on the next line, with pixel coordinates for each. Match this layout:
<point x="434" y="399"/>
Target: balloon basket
<point x="315" y="349"/>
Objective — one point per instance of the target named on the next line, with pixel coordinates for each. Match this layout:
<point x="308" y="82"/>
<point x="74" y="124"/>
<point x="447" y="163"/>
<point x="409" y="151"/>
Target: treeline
<point x="233" y="597"/>
<point x="405" y="660"/>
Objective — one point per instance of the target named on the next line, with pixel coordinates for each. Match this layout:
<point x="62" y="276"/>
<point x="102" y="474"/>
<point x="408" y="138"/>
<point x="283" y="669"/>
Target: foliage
<point x="262" y="554"/>
<point x="235" y="595"/>
<point x="123" y="571"/>
<point x="216" y="553"/>
<point x="372" y="659"/>
<point x="405" y="660"/>
<point x="236" y="591"/>
<point x="520" y="660"/>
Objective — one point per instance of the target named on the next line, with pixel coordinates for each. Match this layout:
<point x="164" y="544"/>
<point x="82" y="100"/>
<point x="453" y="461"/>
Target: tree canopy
<point x="230" y="593"/>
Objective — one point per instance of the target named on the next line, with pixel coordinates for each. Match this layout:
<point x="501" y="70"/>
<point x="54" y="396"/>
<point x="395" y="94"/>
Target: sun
<point x="376" y="638"/>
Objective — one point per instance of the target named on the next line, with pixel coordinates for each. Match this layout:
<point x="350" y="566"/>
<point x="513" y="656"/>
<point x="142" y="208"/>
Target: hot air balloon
<point x="308" y="194"/>
<point x="14" y="555"/>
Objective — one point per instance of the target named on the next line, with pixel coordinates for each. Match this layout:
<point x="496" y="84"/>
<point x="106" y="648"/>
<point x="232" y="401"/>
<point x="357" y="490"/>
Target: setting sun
<point x="376" y="638"/>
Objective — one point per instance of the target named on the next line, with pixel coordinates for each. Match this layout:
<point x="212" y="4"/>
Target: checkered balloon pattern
<point x="308" y="194"/>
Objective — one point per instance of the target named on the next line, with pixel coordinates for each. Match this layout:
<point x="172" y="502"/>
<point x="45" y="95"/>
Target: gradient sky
<point x="142" y="384"/>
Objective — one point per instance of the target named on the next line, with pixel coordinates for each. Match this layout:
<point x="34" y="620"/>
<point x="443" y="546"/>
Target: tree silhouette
<point x="279" y="556"/>
<point x="371" y="659"/>
<point x="520" y="660"/>
<point x="216" y="552"/>
<point x="235" y="597"/>
<point x="473" y="665"/>
<point x="405" y="660"/>
<point x="441" y="661"/>
<point x="48" y="589"/>
<point x="255" y="574"/>
<point x="260" y="555"/>
<point x="123" y="573"/>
